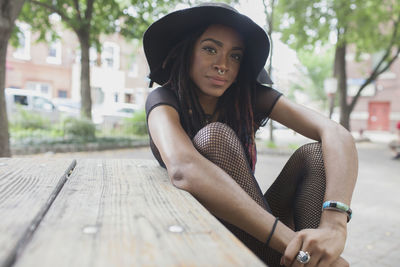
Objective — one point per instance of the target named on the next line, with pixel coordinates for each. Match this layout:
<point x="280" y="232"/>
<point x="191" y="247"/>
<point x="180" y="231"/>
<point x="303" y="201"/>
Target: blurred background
<point x="74" y="71"/>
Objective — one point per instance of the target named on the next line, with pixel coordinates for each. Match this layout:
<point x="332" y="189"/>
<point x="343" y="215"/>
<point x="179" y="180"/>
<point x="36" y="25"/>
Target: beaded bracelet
<point x="338" y="206"/>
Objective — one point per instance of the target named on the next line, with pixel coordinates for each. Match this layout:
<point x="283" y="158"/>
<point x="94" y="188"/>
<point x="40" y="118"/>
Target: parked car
<point x="31" y="101"/>
<point x="68" y="107"/>
<point x="112" y="115"/>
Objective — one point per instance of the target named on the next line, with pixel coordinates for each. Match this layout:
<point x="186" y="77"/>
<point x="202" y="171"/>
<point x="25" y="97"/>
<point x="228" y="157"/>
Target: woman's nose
<point x="221" y="63"/>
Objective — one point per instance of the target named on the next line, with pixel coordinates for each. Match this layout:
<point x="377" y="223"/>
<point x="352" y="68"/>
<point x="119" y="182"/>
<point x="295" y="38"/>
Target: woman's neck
<point x="208" y="104"/>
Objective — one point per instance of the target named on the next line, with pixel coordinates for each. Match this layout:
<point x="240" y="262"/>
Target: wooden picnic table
<point x="119" y="212"/>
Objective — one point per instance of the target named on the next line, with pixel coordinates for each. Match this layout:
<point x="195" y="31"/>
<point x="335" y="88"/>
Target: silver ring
<point x="221" y="72"/>
<point x="303" y="257"/>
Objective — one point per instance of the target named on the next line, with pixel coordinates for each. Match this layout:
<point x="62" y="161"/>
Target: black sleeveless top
<point x="266" y="98"/>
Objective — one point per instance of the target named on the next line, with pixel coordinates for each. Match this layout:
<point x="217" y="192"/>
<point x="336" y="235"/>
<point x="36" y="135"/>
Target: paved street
<point x="374" y="231"/>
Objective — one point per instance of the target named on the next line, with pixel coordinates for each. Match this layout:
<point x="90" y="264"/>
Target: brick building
<point x="118" y="73"/>
<point x="378" y="108"/>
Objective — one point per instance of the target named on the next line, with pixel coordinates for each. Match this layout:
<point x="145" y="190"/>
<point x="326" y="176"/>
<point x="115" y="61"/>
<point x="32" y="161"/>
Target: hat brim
<point x="263" y="77"/>
<point x="166" y="32"/>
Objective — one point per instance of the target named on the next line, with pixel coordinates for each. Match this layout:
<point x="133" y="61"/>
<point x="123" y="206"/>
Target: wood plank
<point x="126" y="213"/>
<point x="27" y="189"/>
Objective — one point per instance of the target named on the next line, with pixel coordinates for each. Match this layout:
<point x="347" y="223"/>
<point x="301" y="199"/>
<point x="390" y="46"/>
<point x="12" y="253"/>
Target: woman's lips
<point x="217" y="81"/>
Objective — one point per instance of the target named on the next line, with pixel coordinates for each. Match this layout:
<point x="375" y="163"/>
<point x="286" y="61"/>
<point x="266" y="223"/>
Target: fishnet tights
<point x="295" y="197"/>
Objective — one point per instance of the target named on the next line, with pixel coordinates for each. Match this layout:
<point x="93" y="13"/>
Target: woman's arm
<point x="214" y="188"/>
<point x="341" y="166"/>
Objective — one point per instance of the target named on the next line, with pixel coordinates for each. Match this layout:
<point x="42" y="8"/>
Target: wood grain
<point x="127" y="213"/>
<point x="27" y="189"/>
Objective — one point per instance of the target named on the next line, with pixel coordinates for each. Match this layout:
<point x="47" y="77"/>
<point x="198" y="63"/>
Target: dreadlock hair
<point x="235" y="106"/>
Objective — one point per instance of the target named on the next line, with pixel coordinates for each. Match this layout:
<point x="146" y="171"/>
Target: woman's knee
<point x="215" y="137"/>
<point x="310" y="151"/>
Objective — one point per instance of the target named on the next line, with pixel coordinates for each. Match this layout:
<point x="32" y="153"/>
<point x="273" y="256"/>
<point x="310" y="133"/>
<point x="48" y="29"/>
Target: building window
<point x="93" y="60"/>
<point x="110" y="56"/>
<point x="97" y="96"/>
<point x="93" y="56"/>
<point x="23" y="50"/>
<point x="134" y="69"/>
<point x="42" y="88"/>
<point x="129" y="98"/>
<point x="353" y="85"/>
<point x="54" y="54"/>
<point x="62" y="94"/>
<point x="116" y="97"/>
<point x="139" y="97"/>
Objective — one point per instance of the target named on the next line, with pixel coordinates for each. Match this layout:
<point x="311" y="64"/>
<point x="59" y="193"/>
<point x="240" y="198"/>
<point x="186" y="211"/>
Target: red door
<point x="378" y="119"/>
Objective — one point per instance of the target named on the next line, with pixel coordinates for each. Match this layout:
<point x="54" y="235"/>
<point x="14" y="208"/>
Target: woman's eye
<point x="237" y="57"/>
<point x="209" y="49"/>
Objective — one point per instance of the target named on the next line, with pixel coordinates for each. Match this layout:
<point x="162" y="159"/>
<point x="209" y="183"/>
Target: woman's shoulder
<point x="264" y="89"/>
<point x="162" y="95"/>
<point x="162" y="91"/>
<point x="266" y="97"/>
<point x="265" y="100"/>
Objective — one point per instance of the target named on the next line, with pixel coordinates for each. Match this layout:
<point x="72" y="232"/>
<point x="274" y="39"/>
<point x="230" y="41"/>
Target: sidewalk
<point x="287" y="137"/>
<point x="373" y="233"/>
<point x="375" y="137"/>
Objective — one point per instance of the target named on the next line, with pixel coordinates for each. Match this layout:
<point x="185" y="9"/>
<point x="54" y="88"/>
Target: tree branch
<point x="54" y="9"/>
<point x="89" y="10"/>
<point x="268" y="16"/>
<point x="377" y="71"/>
<point x="78" y="11"/>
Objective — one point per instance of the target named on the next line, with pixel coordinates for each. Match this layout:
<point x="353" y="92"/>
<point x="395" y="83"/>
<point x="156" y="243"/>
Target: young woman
<point x="202" y="121"/>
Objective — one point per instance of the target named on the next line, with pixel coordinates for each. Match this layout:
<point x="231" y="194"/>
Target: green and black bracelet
<point x="338" y="206"/>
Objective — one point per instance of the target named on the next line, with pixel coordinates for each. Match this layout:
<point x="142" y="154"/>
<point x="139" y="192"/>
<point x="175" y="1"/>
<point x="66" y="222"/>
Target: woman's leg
<point x="300" y="185"/>
<point x="297" y="194"/>
<point x="220" y="144"/>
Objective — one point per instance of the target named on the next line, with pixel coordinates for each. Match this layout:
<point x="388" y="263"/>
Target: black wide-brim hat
<point x="166" y="32"/>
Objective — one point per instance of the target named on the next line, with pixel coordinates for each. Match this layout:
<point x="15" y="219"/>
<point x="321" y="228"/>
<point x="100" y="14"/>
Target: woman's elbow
<point x="179" y="175"/>
<point x="338" y="132"/>
<point x="345" y="135"/>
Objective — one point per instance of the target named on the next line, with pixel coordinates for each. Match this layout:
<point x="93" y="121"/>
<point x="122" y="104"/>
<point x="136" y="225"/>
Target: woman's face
<point x="216" y="59"/>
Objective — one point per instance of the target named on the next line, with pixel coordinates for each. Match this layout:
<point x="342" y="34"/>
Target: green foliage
<point x="293" y="146"/>
<point x="79" y="128"/>
<point x="136" y="125"/>
<point x="316" y="67"/>
<point x="364" y="26"/>
<point x="367" y="24"/>
<point x="130" y="18"/>
<point x="89" y="19"/>
<point x="34" y="135"/>
<point x="271" y="144"/>
<point x="25" y="120"/>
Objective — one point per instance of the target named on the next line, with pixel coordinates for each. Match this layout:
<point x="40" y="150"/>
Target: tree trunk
<point x="270" y="24"/>
<point x="86" y="99"/>
<point x="331" y="102"/>
<point x="340" y="72"/>
<point x="9" y="11"/>
<point x="4" y="135"/>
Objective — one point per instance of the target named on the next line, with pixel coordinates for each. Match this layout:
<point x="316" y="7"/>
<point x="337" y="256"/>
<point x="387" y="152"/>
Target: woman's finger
<point x="289" y="256"/>
<point x="314" y="258"/>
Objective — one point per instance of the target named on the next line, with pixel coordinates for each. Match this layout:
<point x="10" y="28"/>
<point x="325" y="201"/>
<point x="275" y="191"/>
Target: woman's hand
<point x="324" y="244"/>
